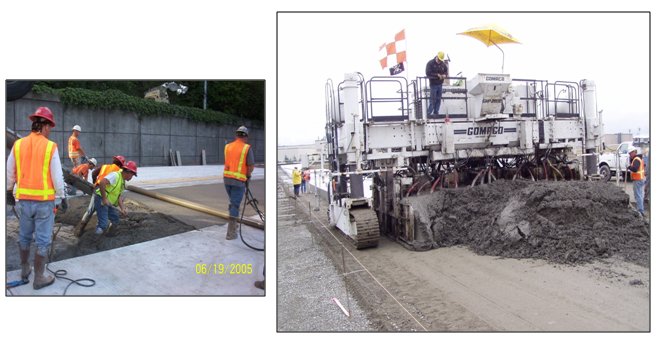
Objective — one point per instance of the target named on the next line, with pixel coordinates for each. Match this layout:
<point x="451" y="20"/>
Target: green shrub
<point x="116" y="100"/>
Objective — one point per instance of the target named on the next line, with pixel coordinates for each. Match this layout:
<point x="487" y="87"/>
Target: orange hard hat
<point x="45" y="113"/>
<point x="119" y="158"/>
<point x="131" y="166"/>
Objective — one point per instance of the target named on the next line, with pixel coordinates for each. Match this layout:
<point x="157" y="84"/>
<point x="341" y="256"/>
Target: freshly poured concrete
<point x="166" y="266"/>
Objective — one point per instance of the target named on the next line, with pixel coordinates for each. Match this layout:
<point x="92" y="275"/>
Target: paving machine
<point x="383" y="146"/>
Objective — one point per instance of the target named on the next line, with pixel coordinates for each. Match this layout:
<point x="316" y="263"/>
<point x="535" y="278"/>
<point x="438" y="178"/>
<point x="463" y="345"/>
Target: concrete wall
<point x="146" y="140"/>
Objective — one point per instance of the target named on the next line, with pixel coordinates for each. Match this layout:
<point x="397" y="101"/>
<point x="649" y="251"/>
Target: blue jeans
<point x="296" y="189"/>
<point x="434" y="100"/>
<point x="37" y="219"/>
<point x="235" y="194"/>
<point x="104" y="213"/>
<point x="303" y="186"/>
<point x="638" y="194"/>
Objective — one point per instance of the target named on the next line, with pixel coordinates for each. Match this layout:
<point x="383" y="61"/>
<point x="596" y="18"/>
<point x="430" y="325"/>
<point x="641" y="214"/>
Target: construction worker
<point x="238" y="166"/>
<point x="108" y="196"/>
<point x="100" y="172"/>
<point x="637" y="173"/>
<point x="436" y="71"/>
<point x="75" y="151"/>
<point x="34" y="167"/>
<point x="82" y="171"/>
<point x="296" y="181"/>
<point x="306" y="180"/>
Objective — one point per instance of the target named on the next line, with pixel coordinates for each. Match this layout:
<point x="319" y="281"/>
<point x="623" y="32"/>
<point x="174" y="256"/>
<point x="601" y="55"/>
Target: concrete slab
<point x="156" y="177"/>
<point x="198" y="262"/>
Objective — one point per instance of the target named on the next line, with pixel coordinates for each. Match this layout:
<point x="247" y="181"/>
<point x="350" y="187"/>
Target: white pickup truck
<point x="619" y="160"/>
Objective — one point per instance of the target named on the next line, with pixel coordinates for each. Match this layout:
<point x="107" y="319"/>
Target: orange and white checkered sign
<point x="393" y="53"/>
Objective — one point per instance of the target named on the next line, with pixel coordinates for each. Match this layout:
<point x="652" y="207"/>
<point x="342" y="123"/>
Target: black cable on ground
<point x="249" y="200"/>
<point x="62" y="273"/>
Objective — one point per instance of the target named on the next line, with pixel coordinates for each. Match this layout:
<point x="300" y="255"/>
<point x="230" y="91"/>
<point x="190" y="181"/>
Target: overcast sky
<point x="610" y="48"/>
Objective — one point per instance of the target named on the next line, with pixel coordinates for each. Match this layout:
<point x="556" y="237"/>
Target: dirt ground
<point x="142" y="224"/>
<point x="453" y="288"/>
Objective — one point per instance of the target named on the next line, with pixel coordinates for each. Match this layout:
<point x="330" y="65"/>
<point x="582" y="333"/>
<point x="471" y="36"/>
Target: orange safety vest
<point x="33" y="155"/>
<point x="639" y="175"/>
<point x="235" y="160"/>
<point x="106" y="170"/>
<point x="73" y="146"/>
<point x="81" y="170"/>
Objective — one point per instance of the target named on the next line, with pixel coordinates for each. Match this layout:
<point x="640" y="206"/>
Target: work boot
<point x="26" y="268"/>
<point x="231" y="234"/>
<point x="41" y="279"/>
<point x="260" y="284"/>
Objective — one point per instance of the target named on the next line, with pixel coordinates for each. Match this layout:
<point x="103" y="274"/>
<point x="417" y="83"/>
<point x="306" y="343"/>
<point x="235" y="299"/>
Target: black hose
<point x="249" y="200"/>
<point x="61" y="273"/>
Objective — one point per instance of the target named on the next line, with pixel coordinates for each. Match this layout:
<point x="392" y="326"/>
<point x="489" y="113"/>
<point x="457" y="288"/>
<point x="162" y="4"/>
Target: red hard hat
<point x="120" y="158"/>
<point x="45" y="113"/>
<point x="131" y="166"/>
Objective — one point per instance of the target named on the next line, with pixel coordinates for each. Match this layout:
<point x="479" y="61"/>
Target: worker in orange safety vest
<point x="238" y="166"/>
<point x="33" y="166"/>
<point x="101" y="171"/>
<point x="638" y="175"/>
<point x="75" y="151"/>
<point x="81" y="171"/>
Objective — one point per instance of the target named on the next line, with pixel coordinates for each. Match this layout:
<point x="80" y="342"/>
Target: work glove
<point x="61" y="205"/>
<point x="10" y="198"/>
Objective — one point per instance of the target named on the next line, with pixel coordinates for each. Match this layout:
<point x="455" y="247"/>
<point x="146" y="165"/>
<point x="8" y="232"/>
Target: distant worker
<point x="637" y="173"/>
<point x="296" y="181"/>
<point x="238" y="166"/>
<point x="82" y="171"/>
<point x="306" y="178"/>
<point x="101" y="171"/>
<point x="108" y="197"/>
<point x="75" y="151"/>
<point x="34" y="167"/>
<point x="436" y="71"/>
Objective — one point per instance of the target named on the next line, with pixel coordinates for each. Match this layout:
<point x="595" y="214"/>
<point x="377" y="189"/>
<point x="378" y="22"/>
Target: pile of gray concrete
<point x="563" y="222"/>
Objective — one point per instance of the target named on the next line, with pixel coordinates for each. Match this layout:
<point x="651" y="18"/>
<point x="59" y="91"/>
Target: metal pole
<point x="316" y="192"/>
<point x="205" y="95"/>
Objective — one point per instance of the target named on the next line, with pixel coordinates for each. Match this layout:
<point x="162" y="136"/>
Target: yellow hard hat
<point x="441" y="56"/>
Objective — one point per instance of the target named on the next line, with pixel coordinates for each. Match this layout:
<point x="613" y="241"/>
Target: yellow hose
<point x="193" y="206"/>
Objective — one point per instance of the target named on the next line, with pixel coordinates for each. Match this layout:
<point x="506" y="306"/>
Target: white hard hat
<point x="77" y="127"/>
<point x="243" y="130"/>
<point x="631" y="149"/>
<point x="93" y="161"/>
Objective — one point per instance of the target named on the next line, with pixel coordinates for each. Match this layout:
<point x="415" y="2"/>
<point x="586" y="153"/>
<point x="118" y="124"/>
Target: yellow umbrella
<point x="491" y="35"/>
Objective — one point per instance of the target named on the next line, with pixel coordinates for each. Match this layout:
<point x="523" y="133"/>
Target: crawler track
<point x="367" y="228"/>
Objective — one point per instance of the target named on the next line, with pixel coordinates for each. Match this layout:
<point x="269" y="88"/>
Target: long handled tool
<point x="79" y="229"/>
